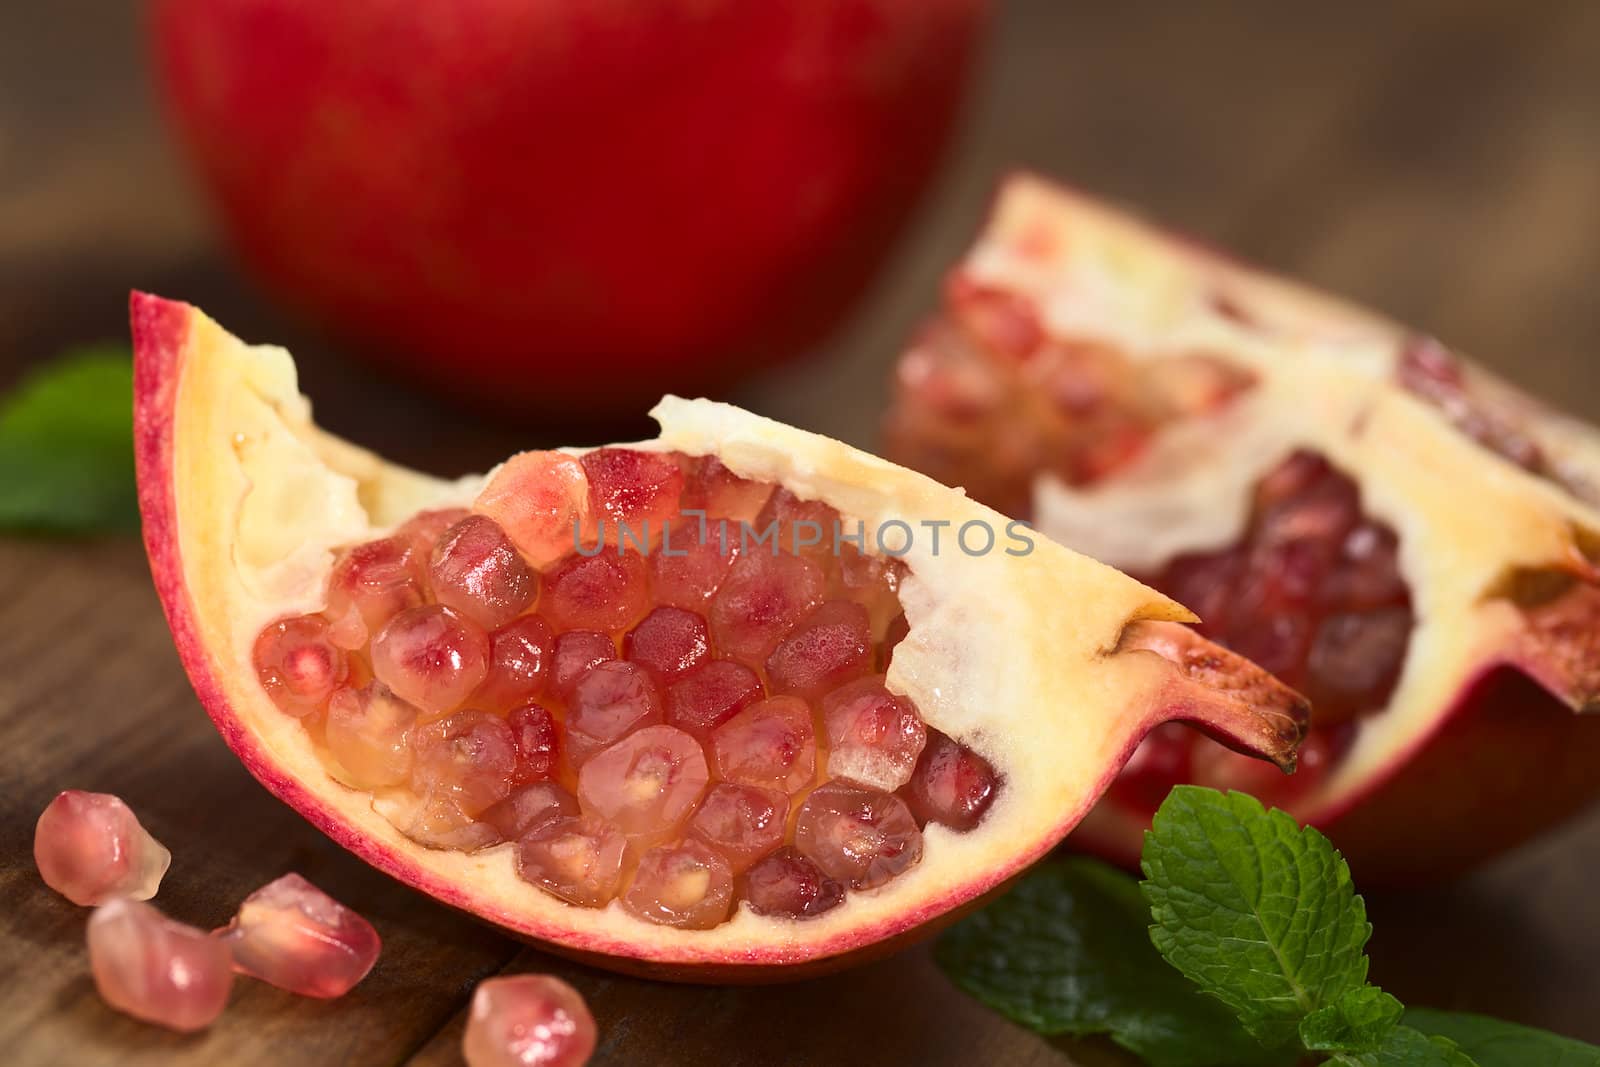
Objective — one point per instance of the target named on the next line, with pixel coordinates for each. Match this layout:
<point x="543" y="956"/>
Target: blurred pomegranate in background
<point x="505" y="197"/>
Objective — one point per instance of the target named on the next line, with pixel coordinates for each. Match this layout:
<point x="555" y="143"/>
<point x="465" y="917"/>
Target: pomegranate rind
<point x="1469" y="521"/>
<point x="244" y="502"/>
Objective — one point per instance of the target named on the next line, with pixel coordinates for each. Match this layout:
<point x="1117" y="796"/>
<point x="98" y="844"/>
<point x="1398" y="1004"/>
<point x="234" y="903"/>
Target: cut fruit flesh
<point x="1069" y="326"/>
<point x="247" y="504"/>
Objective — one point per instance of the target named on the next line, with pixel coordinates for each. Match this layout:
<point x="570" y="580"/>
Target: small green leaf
<point x="1067" y="952"/>
<point x="1359" y="1021"/>
<point x="1253" y="909"/>
<point x="1405" y="1047"/>
<point x="1493" y="1043"/>
<point x="66" y="446"/>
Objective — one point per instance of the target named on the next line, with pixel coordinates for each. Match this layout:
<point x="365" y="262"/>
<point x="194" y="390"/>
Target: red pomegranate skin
<point x="498" y="196"/>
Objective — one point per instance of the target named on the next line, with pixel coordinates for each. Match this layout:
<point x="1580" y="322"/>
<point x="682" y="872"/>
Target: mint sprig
<point x="1256" y="955"/>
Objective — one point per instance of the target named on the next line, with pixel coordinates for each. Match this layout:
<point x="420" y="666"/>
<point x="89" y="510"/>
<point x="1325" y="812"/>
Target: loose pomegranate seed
<point x="538" y="742"/>
<point x="760" y="601"/>
<point x="530" y="808"/>
<point x="710" y="695"/>
<point x="575" y="652"/>
<point x="1162" y="760"/>
<point x="686" y="885"/>
<point x="831" y="646"/>
<point x="857" y="836"/>
<point x="608" y="702"/>
<point x="788" y="885"/>
<point x="91" y="848"/>
<point x="952" y="784"/>
<point x="769" y="744"/>
<point x="1355" y="661"/>
<point x="369" y="735"/>
<point x="154" y="969"/>
<point x="298" y="664"/>
<point x="520" y="656"/>
<point x="668" y="642"/>
<point x="539" y="499"/>
<point x="432" y="657"/>
<point x="635" y="490"/>
<point x="292" y="935"/>
<point x="436" y="821"/>
<point x="423" y="530"/>
<point x="375" y="581"/>
<point x="470" y="756"/>
<point x="690" y="564"/>
<point x="602" y="592"/>
<point x="874" y="737"/>
<point x="527" y="1020"/>
<point x="578" y="858"/>
<point x="476" y="570"/>
<point x="713" y="488"/>
<point x="742" y="822"/>
<point x="647" y="783"/>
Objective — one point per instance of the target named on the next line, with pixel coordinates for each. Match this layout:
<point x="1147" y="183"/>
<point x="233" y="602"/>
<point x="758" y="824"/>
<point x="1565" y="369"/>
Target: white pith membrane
<point x="1470" y="523"/>
<point x="1015" y="657"/>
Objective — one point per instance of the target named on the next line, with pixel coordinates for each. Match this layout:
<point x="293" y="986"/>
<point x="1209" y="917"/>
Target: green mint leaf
<point x="1253" y="909"/>
<point x="66" y="446"/>
<point x="1359" y="1021"/>
<point x="1067" y="952"/>
<point x="1493" y="1043"/>
<point x="1406" y="1047"/>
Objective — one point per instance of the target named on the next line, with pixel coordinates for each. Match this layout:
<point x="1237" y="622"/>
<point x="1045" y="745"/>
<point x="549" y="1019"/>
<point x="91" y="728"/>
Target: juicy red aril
<point x="686" y="885"/>
<point x="637" y="490"/>
<point x="689" y="565"/>
<point x="1353" y="656"/>
<point x="668" y="642"/>
<point x="710" y="695"/>
<point x="541" y="501"/>
<point x="760" y="601"/>
<point x="575" y="652"/>
<point x="292" y="935"/>
<point x="831" y="646"/>
<point x="432" y="657"/>
<point x="874" y="737"/>
<point x="538" y="742"/>
<point x="742" y="822"/>
<point x="527" y="1020"/>
<point x="647" y="783"/>
<point x="861" y="837"/>
<point x="951" y="784"/>
<point x="436" y="820"/>
<point x="368" y="732"/>
<point x="520" y="655"/>
<point x="578" y="858"/>
<point x="529" y="808"/>
<point x="801" y="527"/>
<point x="423" y="531"/>
<point x="375" y="581"/>
<point x="788" y="885"/>
<point x="91" y="848"/>
<point x="608" y="702"/>
<point x="600" y="592"/>
<point x="476" y="570"/>
<point x="470" y="756"/>
<point x="298" y="664"/>
<point x="769" y="744"/>
<point x="155" y="969"/>
<point x="714" y="489"/>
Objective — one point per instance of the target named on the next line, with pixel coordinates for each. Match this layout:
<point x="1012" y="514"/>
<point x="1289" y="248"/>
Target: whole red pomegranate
<point x="507" y="196"/>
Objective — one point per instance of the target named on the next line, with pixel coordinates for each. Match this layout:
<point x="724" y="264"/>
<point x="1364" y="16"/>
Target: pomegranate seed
<point x="1205" y="583"/>
<point x="1355" y="661"/>
<point x="423" y="530"/>
<point x="608" y="702"/>
<point x="1368" y="574"/>
<point x="770" y="744"/>
<point x="635" y="490"/>
<point x="1005" y="323"/>
<point x="154" y="969"/>
<point x="874" y="737"/>
<point x="713" y="488"/>
<point x="870" y="581"/>
<point x="530" y="808"/>
<point x="519" y="664"/>
<point x="788" y="885"/>
<point x="857" y="836"/>
<point x="691" y="563"/>
<point x="804" y="527"/>
<point x="470" y="756"/>
<point x="742" y="822"/>
<point x="603" y="592"/>
<point x="432" y="657"/>
<point x="1162" y="760"/>
<point x="577" y="858"/>
<point x="831" y="646"/>
<point x="298" y="664"/>
<point x="575" y="652"/>
<point x="686" y="885"/>
<point x="647" y="783"/>
<point x="477" y="571"/>
<point x="952" y="784"/>
<point x="760" y="601"/>
<point x="375" y="581"/>
<point x="527" y="1020"/>
<point x="537" y="740"/>
<point x="436" y="821"/>
<point x="292" y="935"/>
<point x="91" y="848"/>
<point x="668" y="642"/>
<point x="369" y="735"/>
<point x="710" y="695"/>
<point x="539" y="499"/>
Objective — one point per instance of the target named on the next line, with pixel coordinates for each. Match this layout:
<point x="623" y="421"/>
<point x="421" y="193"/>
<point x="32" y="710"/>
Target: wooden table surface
<point x="1439" y="160"/>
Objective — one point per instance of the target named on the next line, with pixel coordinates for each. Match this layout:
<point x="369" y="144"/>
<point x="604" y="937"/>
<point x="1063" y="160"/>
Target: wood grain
<point x="1440" y="160"/>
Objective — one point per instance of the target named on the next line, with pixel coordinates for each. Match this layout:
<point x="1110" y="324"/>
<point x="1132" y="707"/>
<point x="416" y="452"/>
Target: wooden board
<point x="1440" y="160"/>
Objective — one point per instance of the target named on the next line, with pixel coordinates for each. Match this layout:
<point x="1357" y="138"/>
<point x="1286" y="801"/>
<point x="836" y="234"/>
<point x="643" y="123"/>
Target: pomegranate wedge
<point x="1397" y="534"/>
<point x="721" y="785"/>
